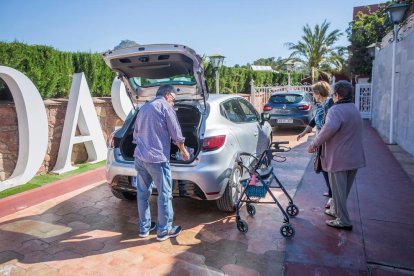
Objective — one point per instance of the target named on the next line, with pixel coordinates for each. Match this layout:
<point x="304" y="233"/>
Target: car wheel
<point x="124" y="195"/>
<point x="227" y="202"/>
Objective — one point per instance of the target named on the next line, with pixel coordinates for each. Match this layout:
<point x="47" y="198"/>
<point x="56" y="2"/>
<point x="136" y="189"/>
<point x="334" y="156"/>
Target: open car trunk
<point x="189" y="118"/>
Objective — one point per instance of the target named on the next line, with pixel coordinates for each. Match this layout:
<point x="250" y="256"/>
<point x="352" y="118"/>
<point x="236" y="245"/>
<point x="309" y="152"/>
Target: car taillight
<point x="267" y="108"/>
<point x="213" y="143"/>
<point x="111" y="141"/>
<point x="304" y="107"/>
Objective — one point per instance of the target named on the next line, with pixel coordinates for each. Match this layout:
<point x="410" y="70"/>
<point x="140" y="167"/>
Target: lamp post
<point x="216" y="61"/>
<point x="396" y="14"/>
<point x="289" y="67"/>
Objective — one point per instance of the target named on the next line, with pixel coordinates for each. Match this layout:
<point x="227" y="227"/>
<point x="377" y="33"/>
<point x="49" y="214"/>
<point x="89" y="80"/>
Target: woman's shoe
<point x="330" y="213"/>
<point x="337" y="224"/>
<point x="328" y="204"/>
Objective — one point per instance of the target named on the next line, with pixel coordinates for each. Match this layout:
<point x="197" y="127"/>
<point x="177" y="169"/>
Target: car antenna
<point x="128" y="89"/>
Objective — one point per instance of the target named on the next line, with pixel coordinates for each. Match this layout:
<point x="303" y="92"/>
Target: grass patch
<point x="41" y="180"/>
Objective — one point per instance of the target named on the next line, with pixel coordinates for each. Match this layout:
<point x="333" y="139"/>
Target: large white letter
<point x="120" y="100"/>
<point x="33" y="127"/>
<point x="81" y="112"/>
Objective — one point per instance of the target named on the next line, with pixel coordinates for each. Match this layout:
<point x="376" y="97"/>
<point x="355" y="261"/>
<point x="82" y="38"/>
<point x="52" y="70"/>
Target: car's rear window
<point x="173" y="80"/>
<point x="285" y="98"/>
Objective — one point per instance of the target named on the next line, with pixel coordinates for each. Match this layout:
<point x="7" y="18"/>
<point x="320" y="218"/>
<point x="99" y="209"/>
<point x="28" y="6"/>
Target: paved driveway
<point x="88" y="231"/>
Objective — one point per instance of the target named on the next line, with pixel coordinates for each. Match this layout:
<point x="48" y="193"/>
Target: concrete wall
<point x="56" y="110"/>
<point x="403" y="94"/>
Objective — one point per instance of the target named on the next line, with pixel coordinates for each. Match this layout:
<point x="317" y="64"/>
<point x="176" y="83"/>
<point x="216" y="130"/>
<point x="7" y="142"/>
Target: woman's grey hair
<point x="165" y="90"/>
<point x="344" y="89"/>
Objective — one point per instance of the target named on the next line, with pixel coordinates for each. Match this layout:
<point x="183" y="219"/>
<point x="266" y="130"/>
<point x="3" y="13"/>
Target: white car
<point x="216" y="127"/>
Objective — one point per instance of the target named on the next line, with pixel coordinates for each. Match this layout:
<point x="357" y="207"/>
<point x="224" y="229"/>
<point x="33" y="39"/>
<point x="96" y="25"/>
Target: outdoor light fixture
<point x="396" y="14"/>
<point x="289" y="67"/>
<point x="371" y="50"/>
<point x="216" y="61"/>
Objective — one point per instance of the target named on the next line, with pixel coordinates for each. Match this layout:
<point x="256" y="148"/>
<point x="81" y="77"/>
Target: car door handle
<point x="256" y="133"/>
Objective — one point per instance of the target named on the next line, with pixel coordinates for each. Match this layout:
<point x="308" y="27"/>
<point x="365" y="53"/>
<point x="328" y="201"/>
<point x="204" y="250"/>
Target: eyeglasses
<point x="172" y="97"/>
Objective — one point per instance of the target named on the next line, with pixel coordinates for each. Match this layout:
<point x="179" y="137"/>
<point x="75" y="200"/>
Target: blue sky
<point x="241" y="30"/>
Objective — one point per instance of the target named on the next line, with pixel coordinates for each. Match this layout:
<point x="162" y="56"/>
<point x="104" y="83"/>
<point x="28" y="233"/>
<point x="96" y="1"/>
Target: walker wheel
<point x="242" y="226"/>
<point x="287" y="231"/>
<point x="292" y="210"/>
<point x="251" y="210"/>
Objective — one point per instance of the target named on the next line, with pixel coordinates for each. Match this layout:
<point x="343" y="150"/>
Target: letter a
<point x="80" y="112"/>
<point x="33" y="129"/>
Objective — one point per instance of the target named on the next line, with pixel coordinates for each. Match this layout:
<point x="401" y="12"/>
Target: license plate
<point x="285" y="121"/>
<point x="134" y="181"/>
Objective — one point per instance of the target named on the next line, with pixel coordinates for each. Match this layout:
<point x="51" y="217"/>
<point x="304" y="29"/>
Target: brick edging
<point x="29" y="198"/>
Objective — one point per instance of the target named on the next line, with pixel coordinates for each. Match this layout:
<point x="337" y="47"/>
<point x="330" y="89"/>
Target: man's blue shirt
<point x="155" y="126"/>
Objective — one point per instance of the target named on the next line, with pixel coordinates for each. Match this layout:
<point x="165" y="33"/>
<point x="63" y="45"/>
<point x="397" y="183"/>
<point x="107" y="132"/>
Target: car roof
<point x="218" y="98"/>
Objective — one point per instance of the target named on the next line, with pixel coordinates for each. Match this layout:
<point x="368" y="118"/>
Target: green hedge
<point x="51" y="71"/>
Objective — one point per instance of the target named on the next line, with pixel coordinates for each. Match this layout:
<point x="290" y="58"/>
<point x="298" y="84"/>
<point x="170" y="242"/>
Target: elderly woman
<point x="321" y="95"/>
<point x="343" y="152"/>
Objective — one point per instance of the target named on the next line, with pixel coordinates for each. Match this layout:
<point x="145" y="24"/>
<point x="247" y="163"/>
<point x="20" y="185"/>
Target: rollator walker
<point x="258" y="184"/>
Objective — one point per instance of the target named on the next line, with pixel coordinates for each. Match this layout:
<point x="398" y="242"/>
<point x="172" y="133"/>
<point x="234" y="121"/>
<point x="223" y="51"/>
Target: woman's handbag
<point x="317" y="163"/>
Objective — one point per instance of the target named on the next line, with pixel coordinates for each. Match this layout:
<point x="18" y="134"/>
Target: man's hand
<point x="184" y="152"/>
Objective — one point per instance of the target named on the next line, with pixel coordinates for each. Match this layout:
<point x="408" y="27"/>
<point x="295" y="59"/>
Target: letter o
<point x="33" y="127"/>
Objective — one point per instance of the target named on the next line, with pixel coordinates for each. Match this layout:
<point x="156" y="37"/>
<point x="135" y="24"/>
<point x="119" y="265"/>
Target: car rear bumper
<point x="289" y="121"/>
<point x="210" y="176"/>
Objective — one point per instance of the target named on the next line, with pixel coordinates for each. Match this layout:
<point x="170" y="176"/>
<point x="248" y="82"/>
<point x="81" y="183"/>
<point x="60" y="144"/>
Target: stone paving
<point x="405" y="159"/>
<point x="86" y="231"/>
<point x="90" y="232"/>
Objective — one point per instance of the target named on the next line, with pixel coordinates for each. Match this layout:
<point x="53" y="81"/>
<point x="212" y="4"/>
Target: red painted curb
<point x="12" y="204"/>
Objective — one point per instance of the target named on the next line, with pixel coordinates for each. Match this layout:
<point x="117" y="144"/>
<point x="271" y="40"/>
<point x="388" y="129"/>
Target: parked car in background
<point x="216" y="127"/>
<point x="293" y="109"/>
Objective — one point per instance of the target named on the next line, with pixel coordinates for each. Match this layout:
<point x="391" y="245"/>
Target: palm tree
<point x="276" y="64"/>
<point x="316" y="51"/>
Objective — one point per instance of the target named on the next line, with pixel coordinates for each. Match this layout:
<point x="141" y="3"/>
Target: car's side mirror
<point x="265" y="117"/>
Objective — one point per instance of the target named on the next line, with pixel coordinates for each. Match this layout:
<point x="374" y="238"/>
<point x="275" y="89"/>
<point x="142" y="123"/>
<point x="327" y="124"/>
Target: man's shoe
<point x="329" y="212"/>
<point x="174" y="232"/>
<point x="152" y="228"/>
<point x="337" y="224"/>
